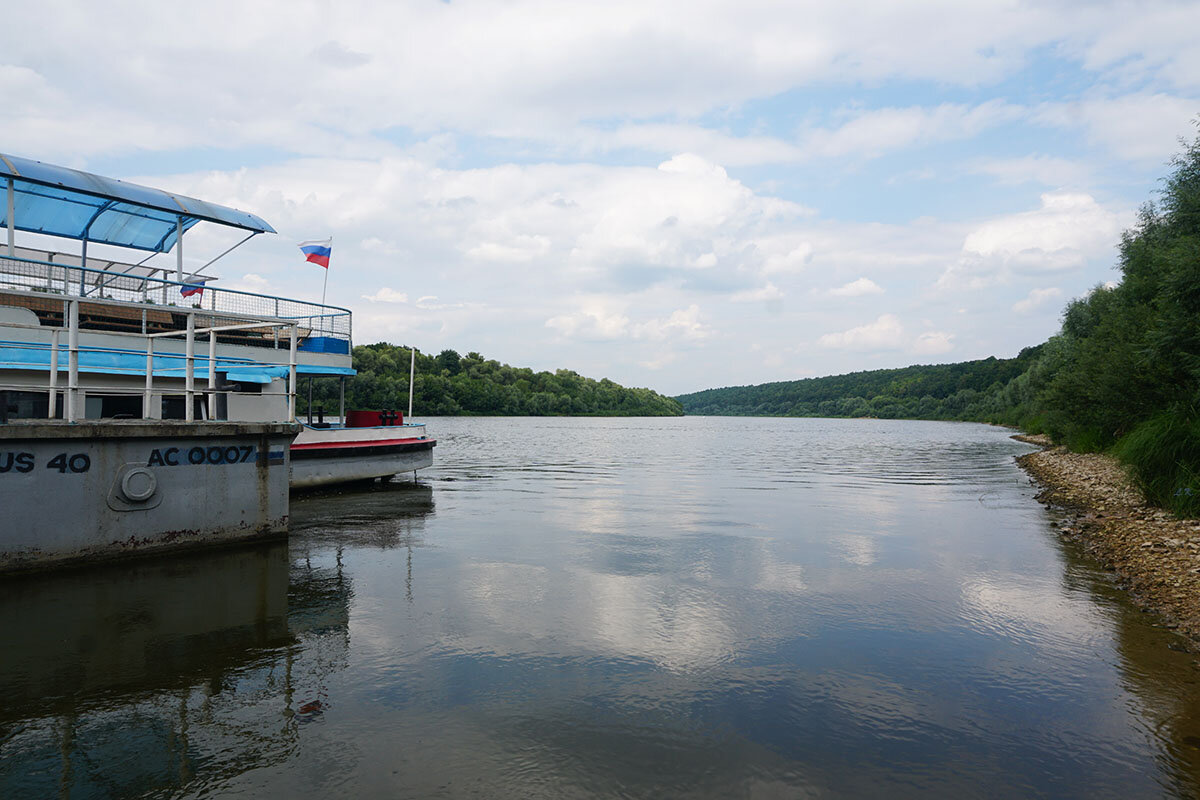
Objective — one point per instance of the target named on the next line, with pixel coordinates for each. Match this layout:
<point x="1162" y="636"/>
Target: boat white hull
<point x="329" y="456"/>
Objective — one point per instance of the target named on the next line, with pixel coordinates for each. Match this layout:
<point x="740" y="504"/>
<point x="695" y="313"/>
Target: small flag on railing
<point x="318" y="251"/>
<point x="196" y="286"/>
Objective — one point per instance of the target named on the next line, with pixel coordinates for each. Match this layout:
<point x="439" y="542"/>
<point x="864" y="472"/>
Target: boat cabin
<point x="84" y="336"/>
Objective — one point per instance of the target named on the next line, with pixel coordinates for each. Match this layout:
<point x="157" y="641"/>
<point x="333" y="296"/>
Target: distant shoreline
<point x="1155" y="555"/>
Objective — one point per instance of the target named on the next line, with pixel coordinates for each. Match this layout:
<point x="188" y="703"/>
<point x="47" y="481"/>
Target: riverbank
<point x="1155" y="556"/>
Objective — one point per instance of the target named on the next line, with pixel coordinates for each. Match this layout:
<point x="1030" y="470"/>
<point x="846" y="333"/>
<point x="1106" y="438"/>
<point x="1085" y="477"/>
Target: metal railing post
<point x="179" y="249"/>
<point x="189" y="412"/>
<point x="52" y="412"/>
<point x="12" y="250"/>
<point x="294" y="329"/>
<point x="212" y="373"/>
<point x="73" y="362"/>
<point x="148" y="395"/>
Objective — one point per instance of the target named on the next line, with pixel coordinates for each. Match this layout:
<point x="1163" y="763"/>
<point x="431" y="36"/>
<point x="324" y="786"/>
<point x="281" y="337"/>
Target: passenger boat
<point x="85" y="336"/>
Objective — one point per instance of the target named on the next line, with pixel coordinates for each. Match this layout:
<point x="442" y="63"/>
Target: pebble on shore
<point x="1155" y="555"/>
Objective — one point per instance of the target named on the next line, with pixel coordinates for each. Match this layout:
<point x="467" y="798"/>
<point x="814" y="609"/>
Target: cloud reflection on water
<point x="659" y="629"/>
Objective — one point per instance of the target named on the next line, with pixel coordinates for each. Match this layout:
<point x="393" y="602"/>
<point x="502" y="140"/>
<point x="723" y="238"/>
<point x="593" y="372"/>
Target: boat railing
<point x="123" y="298"/>
<point x="141" y="345"/>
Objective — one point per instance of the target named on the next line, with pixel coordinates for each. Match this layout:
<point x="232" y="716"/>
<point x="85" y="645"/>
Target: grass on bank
<point x="1163" y="458"/>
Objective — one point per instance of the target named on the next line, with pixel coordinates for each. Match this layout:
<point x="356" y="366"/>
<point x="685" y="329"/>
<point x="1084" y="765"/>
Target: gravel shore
<point x="1155" y="555"/>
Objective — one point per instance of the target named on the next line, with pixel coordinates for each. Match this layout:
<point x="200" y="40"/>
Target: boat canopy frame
<point x="72" y="204"/>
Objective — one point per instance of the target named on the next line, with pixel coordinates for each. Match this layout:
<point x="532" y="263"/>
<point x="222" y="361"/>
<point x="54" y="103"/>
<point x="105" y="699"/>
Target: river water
<point x="560" y="608"/>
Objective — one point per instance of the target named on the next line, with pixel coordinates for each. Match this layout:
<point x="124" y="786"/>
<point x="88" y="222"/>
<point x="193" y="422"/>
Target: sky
<point x="672" y="195"/>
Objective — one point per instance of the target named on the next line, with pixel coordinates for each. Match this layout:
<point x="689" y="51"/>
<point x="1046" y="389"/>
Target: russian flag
<point x="318" y="251"/>
<point x="189" y="289"/>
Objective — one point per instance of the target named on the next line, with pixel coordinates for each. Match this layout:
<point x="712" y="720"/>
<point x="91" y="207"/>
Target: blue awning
<point x="60" y="201"/>
<point x="249" y="376"/>
<point x="30" y="356"/>
<point x="265" y="373"/>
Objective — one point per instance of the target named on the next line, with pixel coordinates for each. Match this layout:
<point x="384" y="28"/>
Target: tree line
<point x="1122" y="375"/>
<point x="453" y="384"/>
<point x="943" y="391"/>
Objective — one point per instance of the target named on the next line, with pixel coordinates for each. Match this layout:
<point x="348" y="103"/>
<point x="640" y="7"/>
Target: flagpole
<point x="325" y="285"/>
<point x="412" y="374"/>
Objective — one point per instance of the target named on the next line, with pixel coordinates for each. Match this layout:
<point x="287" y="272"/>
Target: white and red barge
<point x="371" y="444"/>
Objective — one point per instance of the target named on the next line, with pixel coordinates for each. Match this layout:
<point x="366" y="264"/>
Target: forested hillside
<point x="452" y="384"/>
<point x="1122" y="374"/>
<point x="942" y="391"/>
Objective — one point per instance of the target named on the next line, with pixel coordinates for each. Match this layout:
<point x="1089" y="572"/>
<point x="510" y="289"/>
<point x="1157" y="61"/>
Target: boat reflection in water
<point x="386" y="514"/>
<point x="170" y="673"/>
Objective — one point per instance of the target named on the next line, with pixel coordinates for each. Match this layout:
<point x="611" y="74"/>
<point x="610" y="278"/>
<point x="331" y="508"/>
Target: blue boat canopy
<point x="60" y="201"/>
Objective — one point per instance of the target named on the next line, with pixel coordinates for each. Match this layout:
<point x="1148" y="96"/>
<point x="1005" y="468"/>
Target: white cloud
<point x="498" y="161"/>
<point x="793" y="260"/>
<point x="933" y="343"/>
<point x="429" y="303"/>
<point x="251" y="282"/>
<point x="522" y="71"/>
<point x="501" y="69"/>
<point x="858" y="288"/>
<point x="1158" y="40"/>
<point x="386" y="295"/>
<point x="593" y="322"/>
<point x="1036" y="298"/>
<point x="875" y="132"/>
<point x="684" y="323"/>
<point x="661" y="261"/>
<point x="598" y="320"/>
<point x="1046" y="170"/>
<point x="336" y="54"/>
<point x="766" y="293"/>
<point x="520" y="249"/>
<point x="1137" y="127"/>
<point x="712" y="145"/>
<point x="688" y="214"/>
<point x="373" y="244"/>
<point x="885" y="333"/>
<point x="659" y="361"/>
<point x="1066" y="224"/>
<point x="1067" y="231"/>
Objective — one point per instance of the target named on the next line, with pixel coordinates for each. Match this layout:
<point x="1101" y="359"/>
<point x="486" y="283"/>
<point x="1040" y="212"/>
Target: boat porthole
<point x="138" y="485"/>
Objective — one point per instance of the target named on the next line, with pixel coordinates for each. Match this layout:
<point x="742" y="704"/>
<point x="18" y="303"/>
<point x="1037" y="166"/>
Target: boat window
<point x="173" y="407"/>
<point x="126" y="406"/>
<point x="24" y="405"/>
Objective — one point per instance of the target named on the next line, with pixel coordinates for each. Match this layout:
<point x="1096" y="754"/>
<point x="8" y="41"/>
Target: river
<point x="560" y="608"/>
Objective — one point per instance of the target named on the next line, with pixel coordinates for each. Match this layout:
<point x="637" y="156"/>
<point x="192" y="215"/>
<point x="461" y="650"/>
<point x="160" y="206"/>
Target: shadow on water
<point x="161" y="674"/>
<point x="1160" y="670"/>
<point x="83" y="639"/>
<point x="384" y="515"/>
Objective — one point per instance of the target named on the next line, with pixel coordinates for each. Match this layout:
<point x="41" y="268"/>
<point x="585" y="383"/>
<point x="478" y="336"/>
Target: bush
<point x="1085" y="440"/>
<point x="1163" y="457"/>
